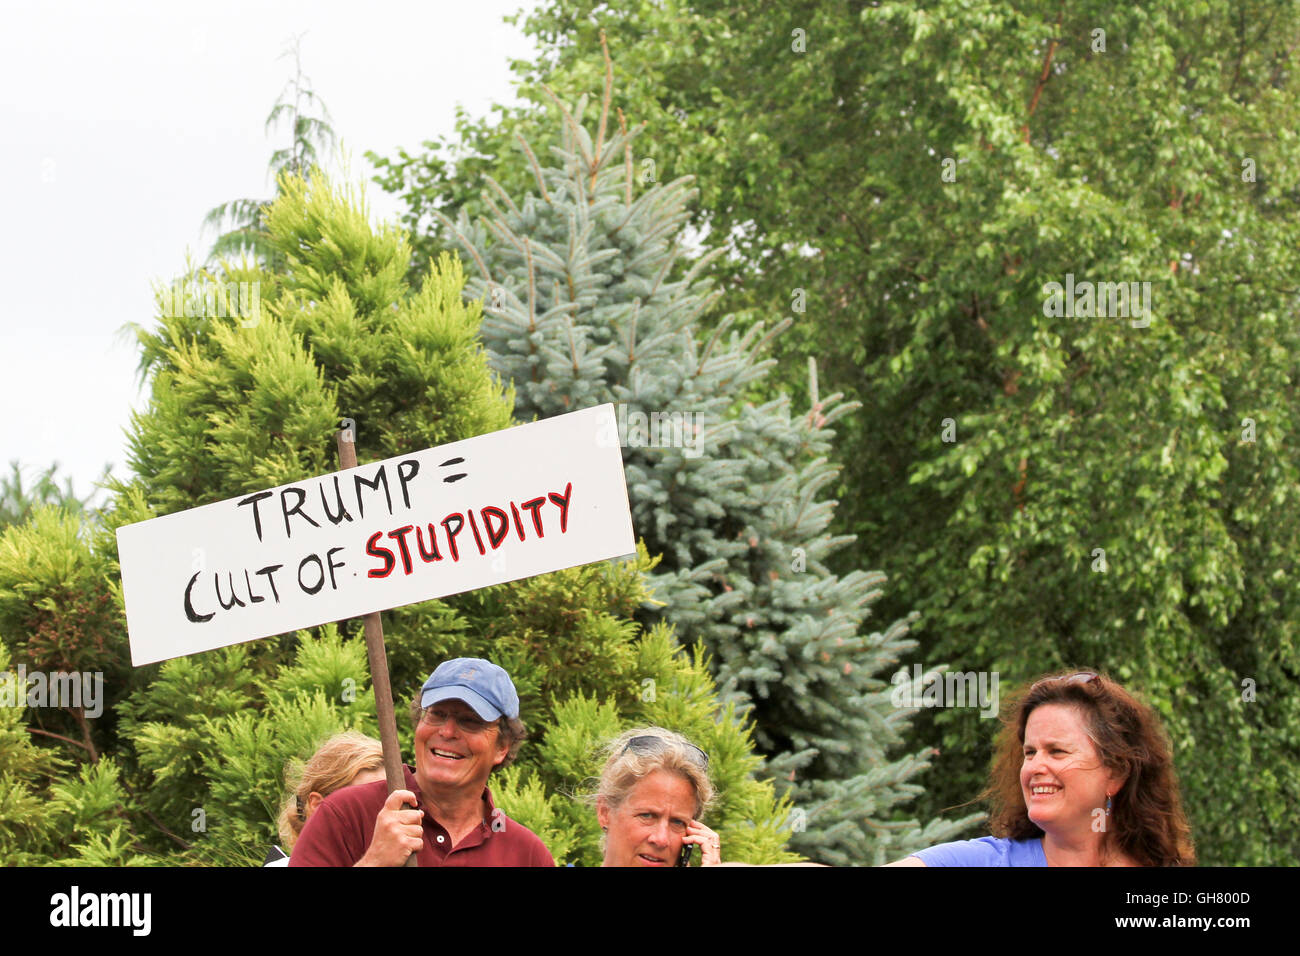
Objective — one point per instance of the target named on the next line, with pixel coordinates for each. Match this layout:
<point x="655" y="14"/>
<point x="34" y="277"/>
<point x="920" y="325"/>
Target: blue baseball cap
<point x="483" y="685"/>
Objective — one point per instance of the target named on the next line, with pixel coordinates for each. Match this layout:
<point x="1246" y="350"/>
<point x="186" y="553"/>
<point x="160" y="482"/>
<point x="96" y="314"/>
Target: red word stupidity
<point x="485" y="528"/>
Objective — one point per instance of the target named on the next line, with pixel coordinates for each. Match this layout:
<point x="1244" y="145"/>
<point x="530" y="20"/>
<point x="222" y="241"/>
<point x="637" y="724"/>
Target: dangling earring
<point x="1108" y="804"/>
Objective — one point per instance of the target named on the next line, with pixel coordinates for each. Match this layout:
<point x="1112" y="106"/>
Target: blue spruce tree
<point x="590" y="297"/>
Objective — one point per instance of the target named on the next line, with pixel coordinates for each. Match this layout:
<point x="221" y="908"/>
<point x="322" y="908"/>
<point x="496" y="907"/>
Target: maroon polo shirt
<point x="339" y="833"/>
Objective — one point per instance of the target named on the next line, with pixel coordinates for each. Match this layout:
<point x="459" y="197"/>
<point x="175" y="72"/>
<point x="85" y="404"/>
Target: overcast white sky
<point x="122" y="124"/>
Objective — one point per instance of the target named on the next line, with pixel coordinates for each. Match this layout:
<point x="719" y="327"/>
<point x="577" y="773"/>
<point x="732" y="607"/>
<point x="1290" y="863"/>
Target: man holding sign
<point x="467" y="725"/>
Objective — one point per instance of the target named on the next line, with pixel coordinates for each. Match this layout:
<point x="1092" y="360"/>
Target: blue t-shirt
<point x="986" y="851"/>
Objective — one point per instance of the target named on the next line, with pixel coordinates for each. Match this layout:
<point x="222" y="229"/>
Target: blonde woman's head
<point x="344" y="759"/>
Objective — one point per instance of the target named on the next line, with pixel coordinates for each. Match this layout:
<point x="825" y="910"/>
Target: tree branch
<point x="47" y="733"/>
<point x="156" y="822"/>
<point x="1047" y="72"/>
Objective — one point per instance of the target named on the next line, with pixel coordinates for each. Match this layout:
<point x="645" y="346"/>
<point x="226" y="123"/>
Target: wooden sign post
<point x="377" y="654"/>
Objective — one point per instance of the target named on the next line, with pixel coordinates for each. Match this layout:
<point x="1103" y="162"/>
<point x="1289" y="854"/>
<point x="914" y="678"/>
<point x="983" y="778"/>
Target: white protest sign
<point x="489" y="509"/>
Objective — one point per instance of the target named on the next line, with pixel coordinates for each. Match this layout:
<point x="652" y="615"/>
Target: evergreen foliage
<point x="589" y="298"/>
<point x="26" y="769"/>
<point x="18" y="498"/>
<point x="58" y="615"/>
<point x="309" y="135"/>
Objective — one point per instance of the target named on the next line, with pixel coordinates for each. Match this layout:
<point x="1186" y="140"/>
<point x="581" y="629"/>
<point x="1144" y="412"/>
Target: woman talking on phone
<point x="653" y="789"/>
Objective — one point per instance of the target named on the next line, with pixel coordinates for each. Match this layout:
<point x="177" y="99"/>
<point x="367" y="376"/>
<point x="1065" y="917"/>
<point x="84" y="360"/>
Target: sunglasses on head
<point x="1083" y="677"/>
<point x="648" y="744"/>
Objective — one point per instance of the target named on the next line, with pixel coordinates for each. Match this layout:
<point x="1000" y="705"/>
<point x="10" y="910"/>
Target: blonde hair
<point x="334" y="765"/>
<point x="625" y="767"/>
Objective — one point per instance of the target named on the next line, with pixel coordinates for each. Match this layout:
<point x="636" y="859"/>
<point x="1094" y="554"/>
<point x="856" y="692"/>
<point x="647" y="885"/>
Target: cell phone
<point x="684" y="857"/>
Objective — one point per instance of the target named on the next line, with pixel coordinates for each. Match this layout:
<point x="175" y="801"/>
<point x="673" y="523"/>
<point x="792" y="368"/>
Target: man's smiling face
<point x="455" y="748"/>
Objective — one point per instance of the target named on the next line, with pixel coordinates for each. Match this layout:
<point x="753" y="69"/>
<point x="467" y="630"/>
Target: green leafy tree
<point x="922" y="171"/>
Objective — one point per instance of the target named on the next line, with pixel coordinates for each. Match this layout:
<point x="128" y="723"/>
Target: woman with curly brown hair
<point x="1083" y="776"/>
